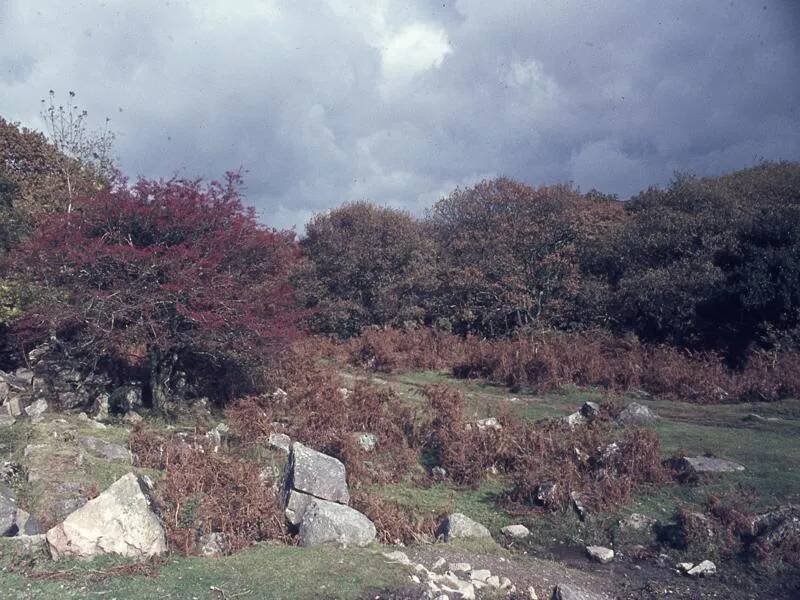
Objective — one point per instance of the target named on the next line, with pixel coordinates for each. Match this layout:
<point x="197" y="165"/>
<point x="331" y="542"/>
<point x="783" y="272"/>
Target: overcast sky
<point x="400" y="101"/>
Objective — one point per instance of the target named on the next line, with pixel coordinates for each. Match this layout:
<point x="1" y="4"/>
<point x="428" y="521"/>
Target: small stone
<point x="576" y="419"/>
<point x="415" y="579"/>
<point x="439" y="564"/>
<point x="367" y="441"/>
<point x="13" y="406"/>
<point x="397" y="557"/>
<point x="279" y="395"/>
<point x="684" y="567"/>
<point x="600" y="554"/>
<point x="571" y="592"/>
<point x="103" y="449"/>
<point x="516" y="531"/>
<point x="480" y="574"/>
<point x="493" y="581"/>
<point x="505" y="583"/>
<point x="460" y="567"/>
<point x="636" y="414"/>
<point x="490" y="423"/>
<point x="438" y="473"/>
<point x="702" y="569"/>
<point x="636" y="522"/>
<point x="708" y="464"/>
<point x="213" y="544"/>
<point x="36" y="409"/>
<point x="532" y="595"/>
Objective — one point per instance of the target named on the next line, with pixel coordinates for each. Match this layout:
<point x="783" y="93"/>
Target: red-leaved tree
<point x="157" y="272"/>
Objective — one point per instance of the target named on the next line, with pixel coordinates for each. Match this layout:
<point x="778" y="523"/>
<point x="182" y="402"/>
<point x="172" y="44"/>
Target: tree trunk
<point x="161" y="366"/>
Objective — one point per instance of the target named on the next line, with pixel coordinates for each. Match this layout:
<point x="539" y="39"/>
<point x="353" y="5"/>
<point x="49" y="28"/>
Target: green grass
<point x="266" y="571"/>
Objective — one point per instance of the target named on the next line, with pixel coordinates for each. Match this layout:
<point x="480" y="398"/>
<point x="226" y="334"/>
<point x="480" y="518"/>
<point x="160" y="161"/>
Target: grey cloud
<point x="324" y="102"/>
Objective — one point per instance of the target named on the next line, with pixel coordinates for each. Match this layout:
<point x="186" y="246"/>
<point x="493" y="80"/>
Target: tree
<point x="510" y="254"/>
<point x="367" y="265"/>
<point x="708" y="262"/>
<point x="157" y="273"/>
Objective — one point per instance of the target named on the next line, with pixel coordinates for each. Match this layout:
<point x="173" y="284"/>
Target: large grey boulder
<point x="708" y="464"/>
<point x="636" y="414"/>
<point x="317" y="474"/>
<point x="118" y="521"/>
<point x="327" y="522"/>
<point x="460" y="526"/>
<point x="103" y="449"/>
<point x="296" y="504"/>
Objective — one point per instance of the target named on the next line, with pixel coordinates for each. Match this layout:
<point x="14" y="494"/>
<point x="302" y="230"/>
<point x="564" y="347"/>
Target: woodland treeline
<point x="159" y="275"/>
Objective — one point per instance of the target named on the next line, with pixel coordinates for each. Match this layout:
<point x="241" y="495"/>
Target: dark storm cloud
<point x="323" y="102"/>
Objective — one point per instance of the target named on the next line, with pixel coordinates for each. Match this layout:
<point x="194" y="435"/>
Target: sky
<point x="400" y="102"/>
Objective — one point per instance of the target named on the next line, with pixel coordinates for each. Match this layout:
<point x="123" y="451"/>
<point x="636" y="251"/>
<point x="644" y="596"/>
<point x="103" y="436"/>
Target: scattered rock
<point x="575" y="420"/>
<point x="327" y="522"/>
<point x="13" y="406"/>
<point x="707" y="464"/>
<point x="460" y="567"/>
<point x="279" y="395"/>
<point x="213" y="544"/>
<point x="516" y="531"/>
<point x="460" y="526"/>
<point x="600" y="554"/>
<point x="464" y="590"/>
<point x="280" y="441"/>
<point x="118" y="521"/>
<point x="777" y="527"/>
<point x="571" y="592"/>
<point x="636" y="414"/>
<point x="702" y="569"/>
<point x="367" y="441"/>
<point x="317" y="474"/>
<point x="490" y="423"/>
<point x="480" y="574"/>
<point x="439" y="564"/>
<point x="590" y="410"/>
<point x="532" y="595"/>
<point x="397" y="557"/>
<point x="36" y="409"/>
<point x="103" y="449"/>
<point x="438" y="473"/>
<point x="637" y="522"/>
